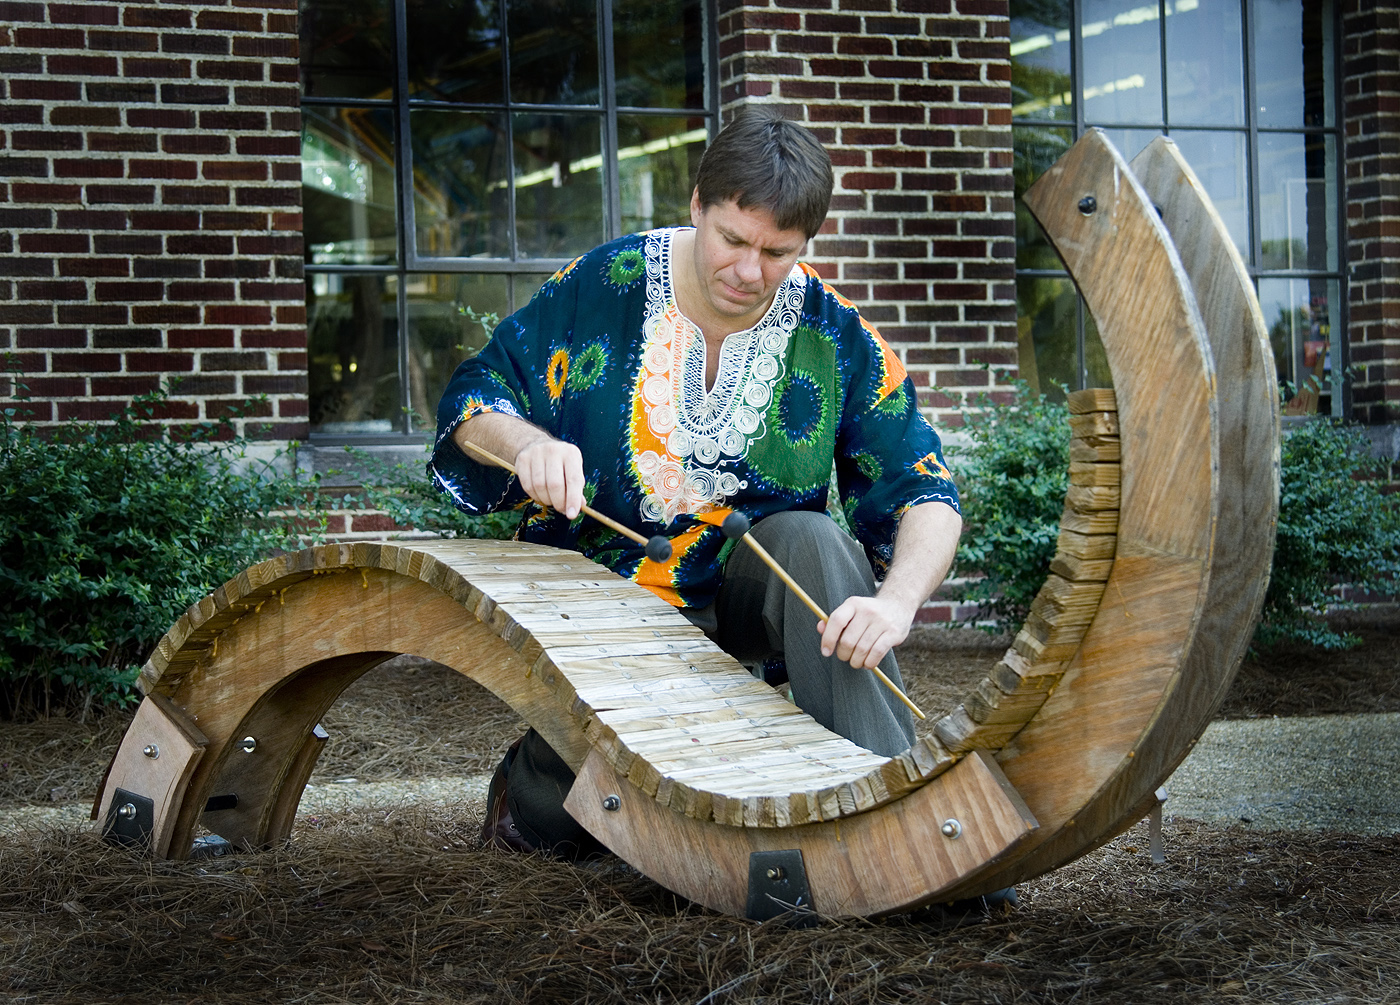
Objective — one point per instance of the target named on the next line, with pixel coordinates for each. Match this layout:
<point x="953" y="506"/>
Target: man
<point x="670" y="377"/>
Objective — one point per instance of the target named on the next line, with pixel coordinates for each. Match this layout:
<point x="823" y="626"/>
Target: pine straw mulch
<point x="412" y="719"/>
<point x="400" y="905"/>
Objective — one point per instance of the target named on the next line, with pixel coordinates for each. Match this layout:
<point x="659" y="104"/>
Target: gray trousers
<point x="755" y="617"/>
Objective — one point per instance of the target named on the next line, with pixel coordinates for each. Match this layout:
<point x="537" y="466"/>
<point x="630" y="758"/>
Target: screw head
<point x="951" y="829"/>
<point x="126" y="811"/>
<point x="151" y="751"/>
<point x="248" y="745"/>
<point x="612" y="803"/>
<point x="1088" y="204"/>
<point x="776" y="873"/>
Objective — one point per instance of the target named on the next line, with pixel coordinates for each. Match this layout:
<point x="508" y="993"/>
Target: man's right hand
<point x="551" y="473"/>
<point x="550" y="470"/>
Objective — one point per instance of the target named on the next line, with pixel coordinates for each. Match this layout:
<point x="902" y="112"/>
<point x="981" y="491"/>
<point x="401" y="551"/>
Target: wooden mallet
<point x="658" y="548"/>
<point x="736" y="528"/>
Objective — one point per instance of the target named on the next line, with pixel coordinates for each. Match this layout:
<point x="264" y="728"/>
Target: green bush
<point x="410" y="499"/>
<point x="108" y="532"/>
<point x="1335" y="526"/>
<point x="1012" y="476"/>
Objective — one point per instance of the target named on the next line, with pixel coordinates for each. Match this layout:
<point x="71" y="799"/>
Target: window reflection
<point x="1293" y="66"/>
<point x="656" y="160"/>
<point x="1297" y="209"/>
<point x="553" y="51"/>
<point x="658" y="48"/>
<point x="1034" y="150"/>
<point x="347" y="48"/>
<point x="347" y="179"/>
<point x="1041" y="86"/>
<point x="1205" y="62"/>
<point x="352" y="342"/>
<point x="454" y="50"/>
<point x="1047" y="312"/>
<point x="1218" y="158"/>
<point x="1298" y="313"/>
<point x="449" y="318"/>
<point x="558" y="185"/>
<point x="460" y="197"/>
<point x="1123" y="60"/>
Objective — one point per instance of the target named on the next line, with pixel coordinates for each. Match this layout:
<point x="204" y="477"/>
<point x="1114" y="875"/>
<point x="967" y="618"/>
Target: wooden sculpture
<point x="693" y="771"/>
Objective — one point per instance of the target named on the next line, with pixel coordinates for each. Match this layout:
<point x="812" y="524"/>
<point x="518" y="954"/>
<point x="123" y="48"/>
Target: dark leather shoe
<point x="499" y="829"/>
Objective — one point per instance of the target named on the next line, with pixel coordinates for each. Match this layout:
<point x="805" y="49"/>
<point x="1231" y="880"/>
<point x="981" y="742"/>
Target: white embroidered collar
<point x="703" y="431"/>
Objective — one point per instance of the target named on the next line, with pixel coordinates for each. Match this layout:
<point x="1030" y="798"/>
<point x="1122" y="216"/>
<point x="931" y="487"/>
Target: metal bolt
<point x="951" y="829"/>
<point x="1088" y="204"/>
<point x="151" y="751"/>
<point x="248" y="745"/>
<point x="776" y="873"/>
<point x="612" y="803"/>
<point x="126" y="811"/>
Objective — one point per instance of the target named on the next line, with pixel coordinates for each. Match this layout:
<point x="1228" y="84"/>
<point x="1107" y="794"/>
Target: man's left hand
<point x="864" y="629"/>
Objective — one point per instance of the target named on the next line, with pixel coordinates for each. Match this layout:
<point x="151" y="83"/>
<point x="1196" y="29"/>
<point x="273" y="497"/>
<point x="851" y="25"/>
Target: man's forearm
<point x="550" y="470"/>
<point x="503" y="435"/>
<point x="923" y="553"/>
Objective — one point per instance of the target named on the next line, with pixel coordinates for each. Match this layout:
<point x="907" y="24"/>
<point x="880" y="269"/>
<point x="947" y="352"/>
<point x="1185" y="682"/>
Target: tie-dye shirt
<point x="602" y="358"/>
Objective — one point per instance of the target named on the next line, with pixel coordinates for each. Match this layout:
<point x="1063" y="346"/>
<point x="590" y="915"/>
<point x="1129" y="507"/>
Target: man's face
<point x="740" y="257"/>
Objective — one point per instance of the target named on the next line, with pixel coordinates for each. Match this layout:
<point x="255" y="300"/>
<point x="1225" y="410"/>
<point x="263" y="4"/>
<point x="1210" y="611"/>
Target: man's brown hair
<point x="761" y="159"/>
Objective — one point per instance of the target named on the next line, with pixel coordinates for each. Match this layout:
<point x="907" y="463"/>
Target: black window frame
<point x="407" y="260"/>
<point x="1339" y="315"/>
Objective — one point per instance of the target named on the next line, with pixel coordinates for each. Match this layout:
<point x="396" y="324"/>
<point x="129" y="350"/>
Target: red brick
<point x="45" y="193"/>
<point x="864" y="45"/>
<point x="49" y="38"/>
<point x="52" y="338"/>
<point x="93" y="314"/>
<point x="238" y="171"/>
<point x="194" y="144"/>
<point x="91" y="267"/>
<point x="165" y="314"/>
<point x="216" y="220"/>
<point x="218" y="20"/>
<point x="82" y="66"/>
<point x="123" y="194"/>
<point x="237" y="314"/>
<point x="200" y="291"/>
<point x="210" y="69"/>
<point x="200" y="338"/>
<point x="88" y="411"/>
<point x="122" y="142"/>
<point x="147" y="66"/>
<point x="195" y="45"/>
<point x="144" y="17"/>
<point x="85" y="362"/>
<point x="159" y="362"/>
<point x="126" y="338"/>
<point x="160" y="118"/>
<point x="61" y="243"/>
<point x="868" y="180"/>
<point x="266" y="47"/>
<point x="108" y="292"/>
<point x="122" y="41"/>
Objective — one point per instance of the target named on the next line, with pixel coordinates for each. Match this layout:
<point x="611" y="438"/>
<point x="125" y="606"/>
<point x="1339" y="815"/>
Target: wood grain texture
<point x="871" y="864"/>
<point x="1247" y="490"/>
<point x="165" y="778"/>
<point x="1192" y="552"/>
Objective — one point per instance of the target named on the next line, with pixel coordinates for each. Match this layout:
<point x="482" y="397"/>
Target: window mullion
<point x="612" y="192"/>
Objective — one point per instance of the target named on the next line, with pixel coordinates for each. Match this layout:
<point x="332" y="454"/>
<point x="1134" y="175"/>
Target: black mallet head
<point x="659" y="549"/>
<point x="735" y="525"/>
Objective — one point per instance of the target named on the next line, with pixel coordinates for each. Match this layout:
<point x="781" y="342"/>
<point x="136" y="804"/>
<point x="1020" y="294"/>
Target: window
<point x="455" y="153"/>
<point x="1247" y="90"/>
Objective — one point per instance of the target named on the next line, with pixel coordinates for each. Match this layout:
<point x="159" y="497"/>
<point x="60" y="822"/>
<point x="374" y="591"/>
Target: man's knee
<point x="803" y="531"/>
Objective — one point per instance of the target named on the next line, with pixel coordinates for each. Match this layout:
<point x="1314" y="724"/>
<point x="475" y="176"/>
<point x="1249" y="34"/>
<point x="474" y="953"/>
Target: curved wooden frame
<point x="1060" y="748"/>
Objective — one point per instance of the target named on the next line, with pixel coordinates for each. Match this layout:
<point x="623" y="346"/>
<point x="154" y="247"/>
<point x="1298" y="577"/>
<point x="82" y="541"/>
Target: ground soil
<point x="396" y="902"/>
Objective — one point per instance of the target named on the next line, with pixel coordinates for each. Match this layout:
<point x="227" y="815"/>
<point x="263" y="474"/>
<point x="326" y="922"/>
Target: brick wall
<point x="150" y="222"/>
<point x="913" y="99"/>
<point x="1371" y="72"/>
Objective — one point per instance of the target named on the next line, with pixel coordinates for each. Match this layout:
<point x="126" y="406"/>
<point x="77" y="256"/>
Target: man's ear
<point x="696" y="210"/>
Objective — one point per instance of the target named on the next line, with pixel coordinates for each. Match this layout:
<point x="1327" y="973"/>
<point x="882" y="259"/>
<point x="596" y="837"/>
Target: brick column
<point x="150" y="223"/>
<point x="1371" y="72"/>
<point x="913" y="99"/>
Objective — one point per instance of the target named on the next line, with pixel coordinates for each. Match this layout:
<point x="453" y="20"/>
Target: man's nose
<point x="749" y="269"/>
